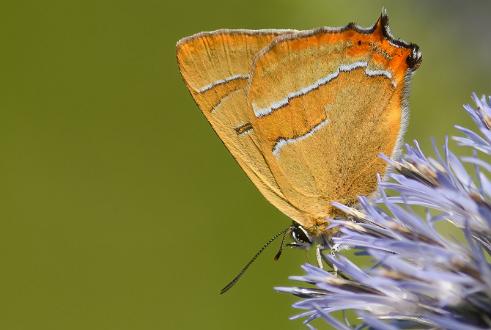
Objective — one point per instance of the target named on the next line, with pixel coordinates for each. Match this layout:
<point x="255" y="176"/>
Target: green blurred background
<point x="119" y="207"/>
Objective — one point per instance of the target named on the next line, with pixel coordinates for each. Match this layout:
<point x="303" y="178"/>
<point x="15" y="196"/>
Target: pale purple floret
<point x="419" y="278"/>
<point x="481" y="115"/>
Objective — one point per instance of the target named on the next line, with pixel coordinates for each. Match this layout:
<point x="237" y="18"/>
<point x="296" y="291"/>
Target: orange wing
<point x="305" y="114"/>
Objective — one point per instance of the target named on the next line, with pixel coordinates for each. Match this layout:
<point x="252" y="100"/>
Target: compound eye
<point x="300" y="235"/>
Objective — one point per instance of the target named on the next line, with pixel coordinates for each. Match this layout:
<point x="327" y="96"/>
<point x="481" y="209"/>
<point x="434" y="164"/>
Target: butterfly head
<point x="300" y="236"/>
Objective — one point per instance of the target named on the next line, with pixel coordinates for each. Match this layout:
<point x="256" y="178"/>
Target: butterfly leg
<point x="321" y="247"/>
<point x="318" y="253"/>
<point x="334" y="267"/>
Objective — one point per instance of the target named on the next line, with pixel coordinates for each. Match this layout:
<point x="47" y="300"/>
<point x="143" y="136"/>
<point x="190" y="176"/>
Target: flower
<point x="418" y="277"/>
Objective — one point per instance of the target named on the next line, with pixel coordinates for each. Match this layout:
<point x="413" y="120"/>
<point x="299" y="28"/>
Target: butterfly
<point x="305" y="113"/>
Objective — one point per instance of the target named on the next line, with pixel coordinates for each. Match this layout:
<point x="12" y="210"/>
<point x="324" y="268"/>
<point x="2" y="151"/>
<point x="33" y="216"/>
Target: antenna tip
<point x="227" y="287"/>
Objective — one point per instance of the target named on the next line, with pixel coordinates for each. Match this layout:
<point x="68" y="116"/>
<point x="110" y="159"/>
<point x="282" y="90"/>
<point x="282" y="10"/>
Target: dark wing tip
<point x="415" y="58"/>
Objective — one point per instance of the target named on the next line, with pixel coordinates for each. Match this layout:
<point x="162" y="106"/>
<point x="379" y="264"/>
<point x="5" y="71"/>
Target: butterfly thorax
<point x="319" y="229"/>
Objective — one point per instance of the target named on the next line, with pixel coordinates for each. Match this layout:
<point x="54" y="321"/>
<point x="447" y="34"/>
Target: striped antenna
<point x="239" y="275"/>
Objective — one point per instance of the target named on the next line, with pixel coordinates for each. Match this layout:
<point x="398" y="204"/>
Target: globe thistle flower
<point x="418" y="277"/>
